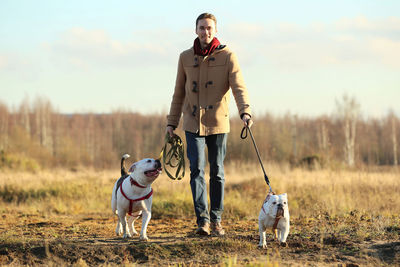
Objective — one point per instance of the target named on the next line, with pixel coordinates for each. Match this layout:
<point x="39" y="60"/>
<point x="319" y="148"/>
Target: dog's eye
<point x="274" y="202"/>
<point x="284" y="203"/>
<point x="148" y="161"/>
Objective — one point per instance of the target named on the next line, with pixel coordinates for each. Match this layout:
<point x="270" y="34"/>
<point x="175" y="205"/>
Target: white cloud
<point x="96" y="48"/>
<point x="19" y="65"/>
<point x="388" y="51"/>
<point x="3" y="62"/>
<point x="349" y="41"/>
<point x="388" y="27"/>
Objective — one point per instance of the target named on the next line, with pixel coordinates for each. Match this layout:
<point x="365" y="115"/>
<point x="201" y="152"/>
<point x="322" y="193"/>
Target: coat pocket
<point x="217" y="114"/>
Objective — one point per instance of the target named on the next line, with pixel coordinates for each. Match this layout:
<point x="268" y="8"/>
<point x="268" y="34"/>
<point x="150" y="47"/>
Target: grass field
<point x="338" y="217"/>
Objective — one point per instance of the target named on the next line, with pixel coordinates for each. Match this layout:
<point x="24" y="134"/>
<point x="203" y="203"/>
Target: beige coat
<point x="202" y="91"/>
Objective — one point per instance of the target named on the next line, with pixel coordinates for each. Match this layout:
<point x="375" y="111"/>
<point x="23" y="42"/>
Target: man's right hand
<point x="170" y="131"/>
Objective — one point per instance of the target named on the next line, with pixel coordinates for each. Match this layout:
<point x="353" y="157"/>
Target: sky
<point x="297" y="57"/>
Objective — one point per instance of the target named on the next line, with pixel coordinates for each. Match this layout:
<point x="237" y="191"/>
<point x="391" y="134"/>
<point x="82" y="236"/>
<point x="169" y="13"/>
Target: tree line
<point x="35" y="133"/>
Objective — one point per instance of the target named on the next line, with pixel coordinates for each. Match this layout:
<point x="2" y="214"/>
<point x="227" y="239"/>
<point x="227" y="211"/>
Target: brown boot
<point x="217" y="229"/>
<point x="203" y="229"/>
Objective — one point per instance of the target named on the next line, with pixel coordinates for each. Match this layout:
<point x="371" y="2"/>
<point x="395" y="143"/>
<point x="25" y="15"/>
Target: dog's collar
<point x="133" y="182"/>
<point x="266" y="200"/>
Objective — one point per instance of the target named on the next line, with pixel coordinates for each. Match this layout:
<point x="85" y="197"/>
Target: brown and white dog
<point x="274" y="214"/>
<point x="132" y="194"/>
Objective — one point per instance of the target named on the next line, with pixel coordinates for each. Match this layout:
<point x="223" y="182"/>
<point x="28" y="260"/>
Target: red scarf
<point x="206" y="51"/>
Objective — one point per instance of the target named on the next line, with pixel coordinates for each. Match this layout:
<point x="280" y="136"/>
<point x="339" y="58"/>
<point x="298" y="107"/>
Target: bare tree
<point x="294" y="138"/>
<point x="24" y="115"/>
<point x="99" y="139"/>
<point x="43" y="110"/>
<point x="348" y="111"/>
<point x="323" y="138"/>
<point x="90" y="135"/>
<point x="3" y="126"/>
<point x="394" y="140"/>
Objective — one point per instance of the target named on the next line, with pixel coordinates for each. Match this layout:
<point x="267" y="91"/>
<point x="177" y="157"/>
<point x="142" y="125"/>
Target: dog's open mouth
<point x="153" y="173"/>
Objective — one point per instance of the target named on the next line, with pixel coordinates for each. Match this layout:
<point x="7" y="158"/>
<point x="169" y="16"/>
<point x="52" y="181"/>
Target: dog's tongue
<point x="155" y="172"/>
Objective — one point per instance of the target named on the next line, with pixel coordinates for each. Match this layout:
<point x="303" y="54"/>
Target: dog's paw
<point x="118" y="230"/>
<point x="284" y="244"/>
<point x="127" y="235"/>
<point x="144" y="238"/>
<point x="262" y="246"/>
<point x="134" y="232"/>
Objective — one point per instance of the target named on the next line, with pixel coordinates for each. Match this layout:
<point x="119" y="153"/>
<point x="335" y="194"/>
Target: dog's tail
<point x="123" y="170"/>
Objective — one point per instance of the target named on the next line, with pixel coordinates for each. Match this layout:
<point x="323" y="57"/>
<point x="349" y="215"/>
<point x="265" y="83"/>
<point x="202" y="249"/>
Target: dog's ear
<point x="132" y="168"/>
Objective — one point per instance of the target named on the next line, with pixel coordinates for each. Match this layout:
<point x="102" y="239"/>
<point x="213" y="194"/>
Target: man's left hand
<point x="247" y="120"/>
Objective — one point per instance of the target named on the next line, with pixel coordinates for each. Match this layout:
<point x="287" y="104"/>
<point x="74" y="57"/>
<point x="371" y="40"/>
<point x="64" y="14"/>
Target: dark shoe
<point x="217" y="229"/>
<point x="203" y="229"/>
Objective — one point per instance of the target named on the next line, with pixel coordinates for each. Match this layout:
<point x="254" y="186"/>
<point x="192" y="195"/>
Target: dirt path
<point x="90" y="239"/>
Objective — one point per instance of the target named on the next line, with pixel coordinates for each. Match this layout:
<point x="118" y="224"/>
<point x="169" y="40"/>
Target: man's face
<point x="206" y="30"/>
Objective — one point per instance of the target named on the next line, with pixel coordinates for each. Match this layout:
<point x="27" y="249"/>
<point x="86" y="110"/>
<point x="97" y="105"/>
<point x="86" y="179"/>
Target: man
<point x="205" y="73"/>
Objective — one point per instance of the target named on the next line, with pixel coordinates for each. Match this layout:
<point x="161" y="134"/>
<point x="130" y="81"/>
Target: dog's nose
<point x="158" y="163"/>
<point x="280" y="206"/>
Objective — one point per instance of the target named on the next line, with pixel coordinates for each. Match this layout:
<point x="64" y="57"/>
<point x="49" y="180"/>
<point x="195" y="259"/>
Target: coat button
<point x="194" y="89"/>
<point x="194" y="110"/>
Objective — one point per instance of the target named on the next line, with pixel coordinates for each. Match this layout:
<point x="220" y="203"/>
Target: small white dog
<point x="274" y="214"/>
<point x="132" y="194"/>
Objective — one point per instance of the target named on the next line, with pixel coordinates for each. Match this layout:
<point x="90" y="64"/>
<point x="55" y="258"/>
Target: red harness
<point x="266" y="200"/>
<point x="133" y="182"/>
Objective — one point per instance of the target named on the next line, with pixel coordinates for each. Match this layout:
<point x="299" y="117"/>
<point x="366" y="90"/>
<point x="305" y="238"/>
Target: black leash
<point x="244" y="131"/>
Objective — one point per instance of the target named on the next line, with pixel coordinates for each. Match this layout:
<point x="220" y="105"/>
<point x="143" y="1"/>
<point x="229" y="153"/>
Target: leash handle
<point x="243" y="135"/>
<point x="174" y="156"/>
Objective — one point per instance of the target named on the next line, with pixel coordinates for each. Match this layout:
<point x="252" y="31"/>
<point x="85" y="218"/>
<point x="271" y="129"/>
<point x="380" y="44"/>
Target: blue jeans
<point x="216" y="145"/>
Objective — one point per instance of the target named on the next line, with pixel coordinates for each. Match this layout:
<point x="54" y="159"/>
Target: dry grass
<point x="330" y="209"/>
<point x="311" y="193"/>
<point x="334" y="192"/>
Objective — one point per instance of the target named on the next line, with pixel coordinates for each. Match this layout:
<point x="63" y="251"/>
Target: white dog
<point x="132" y="194"/>
<point x="274" y="214"/>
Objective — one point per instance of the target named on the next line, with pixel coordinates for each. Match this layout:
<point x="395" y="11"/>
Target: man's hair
<point x="206" y="16"/>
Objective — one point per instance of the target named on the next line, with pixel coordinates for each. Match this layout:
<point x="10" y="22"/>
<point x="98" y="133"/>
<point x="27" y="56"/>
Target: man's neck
<point x="203" y="45"/>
